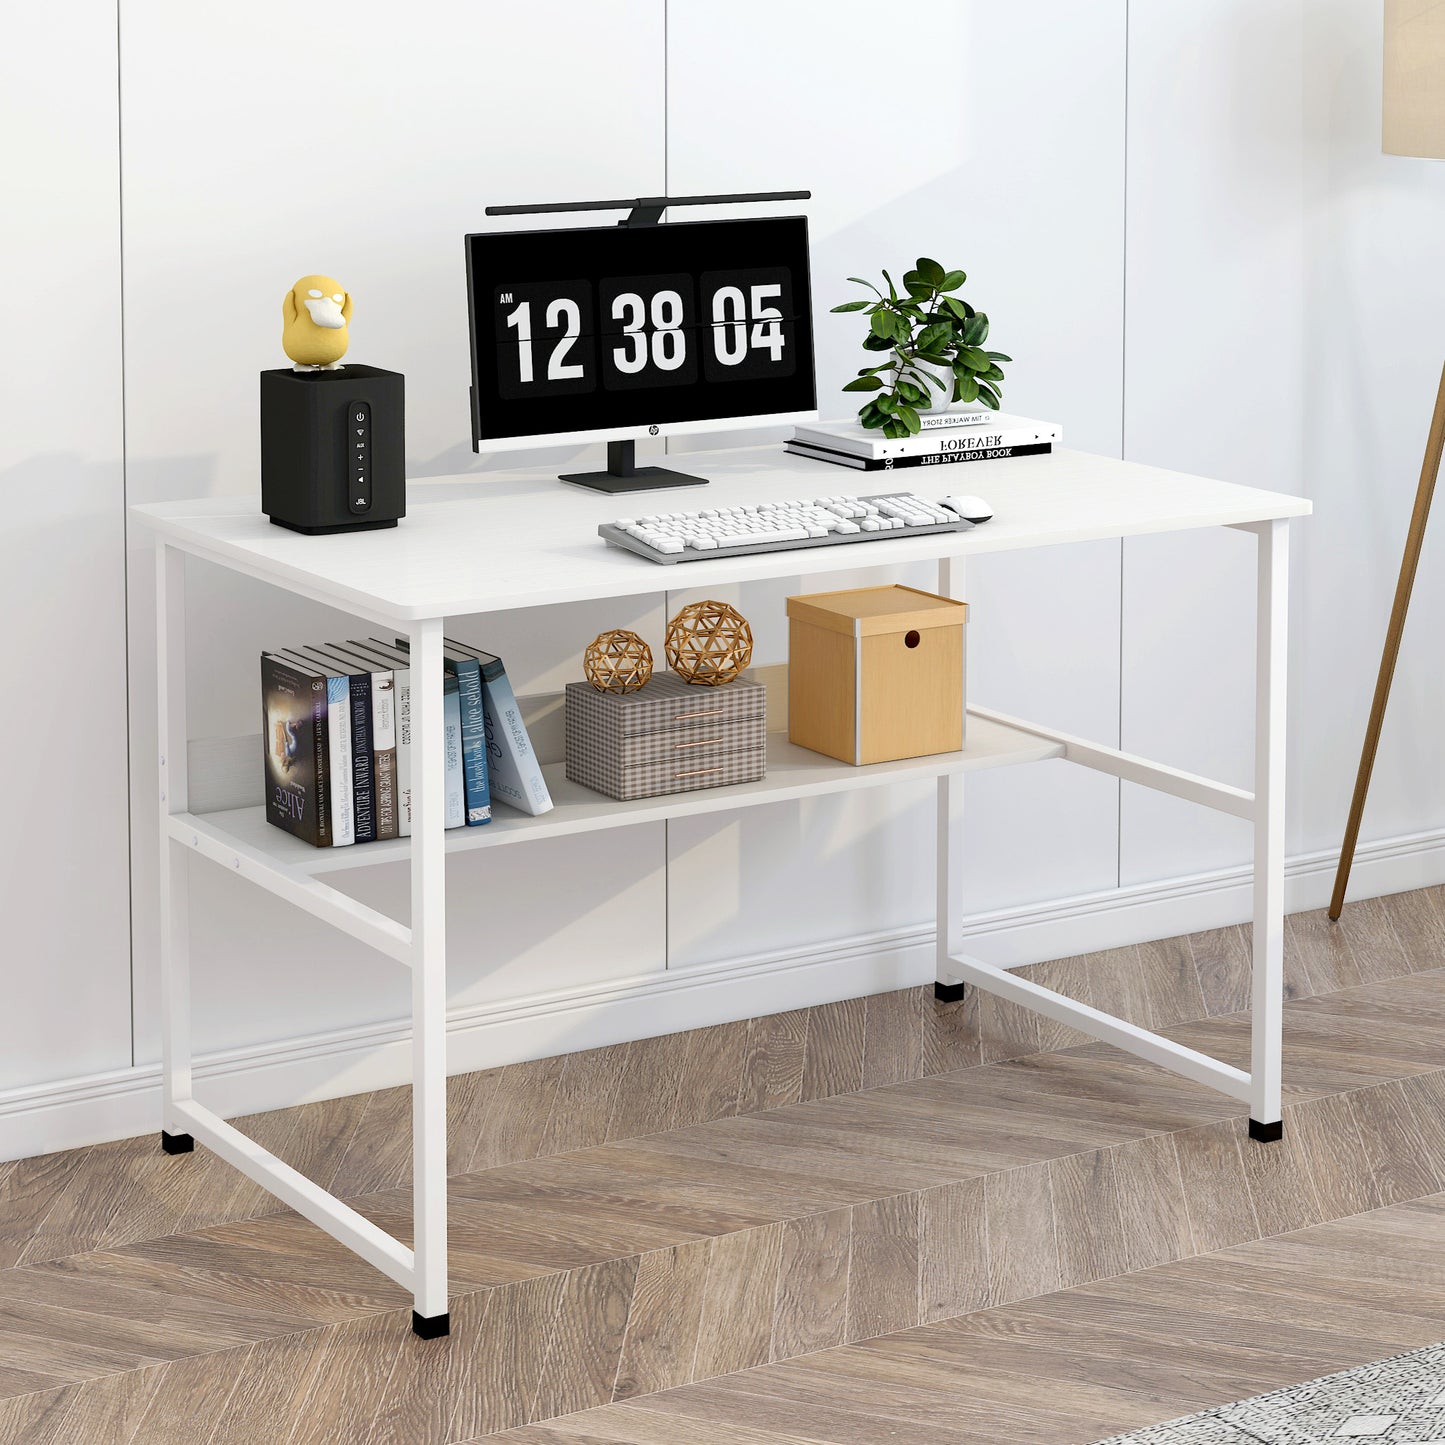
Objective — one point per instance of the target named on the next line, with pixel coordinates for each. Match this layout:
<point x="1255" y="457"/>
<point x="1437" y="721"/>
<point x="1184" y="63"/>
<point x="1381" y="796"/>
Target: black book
<point x="363" y="761"/>
<point x="294" y="740"/>
<point x="928" y="459"/>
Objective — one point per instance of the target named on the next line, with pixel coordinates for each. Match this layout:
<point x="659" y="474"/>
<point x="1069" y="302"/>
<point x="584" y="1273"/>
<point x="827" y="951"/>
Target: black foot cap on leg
<point x="947" y="992"/>
<point x="177" y="1143"/>
<point x="1266" y="1133"/>
<point x="430" y="1329"/>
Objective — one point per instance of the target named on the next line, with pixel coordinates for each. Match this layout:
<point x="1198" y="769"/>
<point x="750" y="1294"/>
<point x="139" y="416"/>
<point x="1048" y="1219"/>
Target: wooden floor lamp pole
<point x="1408" y="563"/>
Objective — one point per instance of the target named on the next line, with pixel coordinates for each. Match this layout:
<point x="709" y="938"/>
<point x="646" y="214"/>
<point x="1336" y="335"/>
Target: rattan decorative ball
<point x="617" y="661"/>
<point x="709" y="643"/>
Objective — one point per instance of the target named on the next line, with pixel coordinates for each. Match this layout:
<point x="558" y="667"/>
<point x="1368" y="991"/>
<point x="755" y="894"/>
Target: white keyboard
<point x="778" y="526"/>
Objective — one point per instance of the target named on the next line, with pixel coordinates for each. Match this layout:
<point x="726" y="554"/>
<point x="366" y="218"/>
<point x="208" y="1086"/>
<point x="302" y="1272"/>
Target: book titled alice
<point x="295" y="739"/>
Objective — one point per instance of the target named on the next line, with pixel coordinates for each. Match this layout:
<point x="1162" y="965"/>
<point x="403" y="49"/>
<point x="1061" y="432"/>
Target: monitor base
<point x="642" y="479"/>
<point x="624" y="475"/>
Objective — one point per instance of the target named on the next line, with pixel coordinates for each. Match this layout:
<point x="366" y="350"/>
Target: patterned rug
<point x="1399" y="1401"/>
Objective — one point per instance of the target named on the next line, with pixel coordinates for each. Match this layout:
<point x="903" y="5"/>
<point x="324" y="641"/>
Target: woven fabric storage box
<point x="667" y="737"/>
<point x="875" y="673"/>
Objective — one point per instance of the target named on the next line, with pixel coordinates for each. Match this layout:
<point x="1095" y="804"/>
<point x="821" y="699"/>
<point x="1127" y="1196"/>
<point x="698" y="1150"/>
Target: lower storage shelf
<point x="793" y="772"/>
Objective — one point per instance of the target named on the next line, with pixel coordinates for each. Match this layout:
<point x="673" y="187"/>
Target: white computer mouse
<point x="974" y="508"/>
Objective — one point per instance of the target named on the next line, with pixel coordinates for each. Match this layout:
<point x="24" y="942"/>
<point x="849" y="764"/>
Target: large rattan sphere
<point x="709" y="643"/>
<point x="617" y="661"/>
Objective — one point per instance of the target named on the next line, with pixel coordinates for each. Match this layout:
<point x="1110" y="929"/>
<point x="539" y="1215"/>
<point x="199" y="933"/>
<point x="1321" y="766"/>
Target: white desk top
<point x="491" y="541"/>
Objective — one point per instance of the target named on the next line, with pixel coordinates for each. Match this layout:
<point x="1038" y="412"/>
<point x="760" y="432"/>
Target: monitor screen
<point x="605" y="333"/>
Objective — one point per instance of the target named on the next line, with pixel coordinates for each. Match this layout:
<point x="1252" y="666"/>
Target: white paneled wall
<point x="977" y="180"/>
<point x="1285" y="328"/>
<point x="364" y="144"/>
<point x="246" y="214"/>
<point x="1180" y="221"/>
<point x="65" y="960"/>
<point x="1213" y="384"/>
<point x="1373" y="342"/>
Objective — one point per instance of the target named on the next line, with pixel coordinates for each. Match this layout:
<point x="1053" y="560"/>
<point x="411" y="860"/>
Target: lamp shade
<point x="1414" y="99"/>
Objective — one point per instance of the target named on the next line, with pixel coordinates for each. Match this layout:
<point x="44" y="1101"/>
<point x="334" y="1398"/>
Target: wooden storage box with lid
<point x="666" y="737"/>
<point x="876" y="673"/>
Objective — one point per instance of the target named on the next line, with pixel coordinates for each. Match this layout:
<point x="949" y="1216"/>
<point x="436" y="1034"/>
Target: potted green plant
<point x="935" y="343"/>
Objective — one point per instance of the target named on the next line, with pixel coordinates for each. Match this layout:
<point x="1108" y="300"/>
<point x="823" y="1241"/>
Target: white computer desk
<point x="502" y="540"/>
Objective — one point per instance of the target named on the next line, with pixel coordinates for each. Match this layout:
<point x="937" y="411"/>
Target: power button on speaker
<point x="358" y="435"/>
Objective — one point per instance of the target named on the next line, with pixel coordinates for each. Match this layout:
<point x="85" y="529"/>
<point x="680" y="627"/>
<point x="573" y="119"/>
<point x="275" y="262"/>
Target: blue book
<point x="363" y="763"/>
<point x="467" y="672"/>
<point x="514" y="773"/>
<point x="474" y="773"/>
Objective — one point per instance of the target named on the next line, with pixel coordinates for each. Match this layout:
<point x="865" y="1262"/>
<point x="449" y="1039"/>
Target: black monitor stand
<point x="624" y="475"/>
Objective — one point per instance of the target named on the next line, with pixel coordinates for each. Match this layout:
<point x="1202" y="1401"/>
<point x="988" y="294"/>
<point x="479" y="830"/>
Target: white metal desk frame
<point x="422" y="947"/>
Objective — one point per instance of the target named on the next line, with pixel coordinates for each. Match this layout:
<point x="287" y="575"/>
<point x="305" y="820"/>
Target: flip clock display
<point x="570" y="332"/>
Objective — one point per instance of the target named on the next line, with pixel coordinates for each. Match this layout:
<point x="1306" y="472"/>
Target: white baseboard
<point x="88" y="1110"/>
<point x="126" y="1102"/>
<point x="1115" y="918"/>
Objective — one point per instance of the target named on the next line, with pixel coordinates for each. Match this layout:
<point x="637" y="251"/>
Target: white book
<point x="454" y="800"/>
<point x="454" y="785"/>
<point x="1001" y="430"/>
<point x="456" y="792"/>
<point x="383" y="733"/>
<point x="515" y="774"/>
<point x="965" y="416"/>
<point x="401" y="684"/>
<point x="401" y="676"/>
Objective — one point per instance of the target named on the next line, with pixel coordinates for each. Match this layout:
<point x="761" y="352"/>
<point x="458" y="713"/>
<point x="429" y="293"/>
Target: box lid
<point x="867" y="611"/>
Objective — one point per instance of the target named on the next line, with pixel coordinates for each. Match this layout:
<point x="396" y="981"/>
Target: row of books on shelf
<point x="945" y="437"/>
<point x="337" y="735"/>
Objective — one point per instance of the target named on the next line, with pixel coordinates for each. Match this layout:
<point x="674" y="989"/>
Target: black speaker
<point x="333" y="448"/>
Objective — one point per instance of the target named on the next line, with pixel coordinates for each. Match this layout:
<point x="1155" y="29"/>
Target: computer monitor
<point x="618" y="332"/>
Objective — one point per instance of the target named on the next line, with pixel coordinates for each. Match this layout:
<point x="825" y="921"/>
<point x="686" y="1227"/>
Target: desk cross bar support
<point x="1260" y="1088"/>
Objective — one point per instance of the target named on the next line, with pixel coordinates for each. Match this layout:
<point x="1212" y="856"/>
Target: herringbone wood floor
<point x="964" y="1188"/>
<point x="1079" y="1364"/>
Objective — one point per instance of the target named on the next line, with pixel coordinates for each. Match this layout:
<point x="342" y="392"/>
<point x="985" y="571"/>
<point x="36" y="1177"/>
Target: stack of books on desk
<point x="338" y="745"/>
<point x="946" y="437"/>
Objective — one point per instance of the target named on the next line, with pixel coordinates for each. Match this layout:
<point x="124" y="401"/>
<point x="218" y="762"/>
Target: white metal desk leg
<point x="428" y="984"/>
<point x="949" y="911"/>
<point x="1271" y="655"/>
<point x="171" y="739"/>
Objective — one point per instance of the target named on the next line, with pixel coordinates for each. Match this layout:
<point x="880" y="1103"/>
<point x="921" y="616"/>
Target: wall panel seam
<point x="125" y="533"/>
<point x="1123" y="438"/>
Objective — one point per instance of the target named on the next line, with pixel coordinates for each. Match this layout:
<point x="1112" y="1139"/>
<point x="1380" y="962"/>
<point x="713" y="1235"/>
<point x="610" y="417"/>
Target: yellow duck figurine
<point x="316" y="312"/>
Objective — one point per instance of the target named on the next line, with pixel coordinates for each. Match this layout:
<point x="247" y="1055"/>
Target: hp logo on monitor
<point x="652" y="431"/>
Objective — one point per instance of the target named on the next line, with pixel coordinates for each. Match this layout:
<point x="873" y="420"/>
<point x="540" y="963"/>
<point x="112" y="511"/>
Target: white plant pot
<point x="937" y="400"/>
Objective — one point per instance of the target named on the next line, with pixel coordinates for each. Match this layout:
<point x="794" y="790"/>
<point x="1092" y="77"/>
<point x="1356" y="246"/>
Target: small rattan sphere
<point x="709" y="643"/>
<point x="617" y="661"/>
